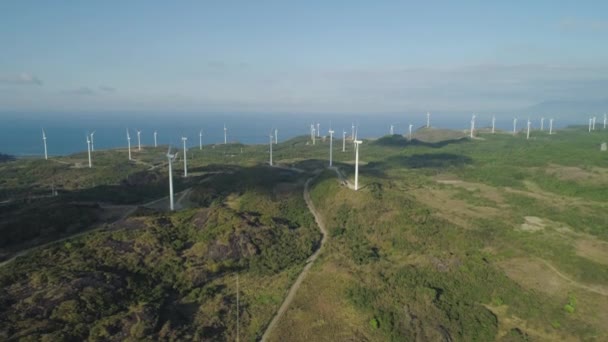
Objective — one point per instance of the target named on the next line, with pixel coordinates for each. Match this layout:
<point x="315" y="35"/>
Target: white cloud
<point x="23" y="78"/>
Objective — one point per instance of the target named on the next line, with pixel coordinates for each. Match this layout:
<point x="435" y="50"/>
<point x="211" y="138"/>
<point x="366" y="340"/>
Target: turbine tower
<point x="46" y="156"/>
<point x="155" y="145"/>
<point x="225" y="135"/>
<point x="493" y="123"/>
<point x="200" y="139"/>
<point x="352" y="135"/>
<point x="550" y="126"/>
<point x="89" y="150"/>
<point x="343" y="140"/>
<point x="92" y="142"/>
<point x="184" y="139"/>
<point x="357" y="143"/>
<point x="428" y="120"/>
<point x="605" y="119"/>
<point x="129" y="143"/>
<point x="318" y="130"/>
<point x="410" y="135"/>
<point x="138" y="140"/>
<point x="276" y="136"/>
<point x="590" y="120"/>
<point x="528" y="134"/>
<point x="331" y="140"/>
<point x="593" y="126"/>
<point x="313" y="135"/>
<point x="391" y="131"/>
<point x="542" y="124"/>
<point x="270" y="145"/>
<point x="514" y="125"/>
<point x="170" y="158"/>
<point x="473" y="126"/>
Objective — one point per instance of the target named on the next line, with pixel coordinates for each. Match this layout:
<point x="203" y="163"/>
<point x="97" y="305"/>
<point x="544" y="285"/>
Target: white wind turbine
<point x="225" y="135"/>
<point x="493" y="123"/>
<point x="184" y="139"/>
<point x="528" y="134"/>
<point x="276" y="136"/>
<point x="331" y="140"/>
<point x="270" y="145"/>
<point x="514" y="125"/>
<point x="428" y="119"/>
<point x="593" y="126"/>
<point x="170" y="158"/>
<point x="590" y="120"/>
<point x="46" y="156"/>
<point x="155" y="134"/>
<point x="550" y="126"/>
<point x="200" y="139"/>
<point x="542" y="124"/>
<point x="343" y="140"/>
<point x="89" y="150"/>
<point x="391" y="130"/>
<point x="605" y="119"/>
<point x="318" y="130"/>
<point x="129" y="143"/>
<point x="138" y="140"/>
<point x="92" y="141"/>
<point x="357" y="143"/>
<point x="313" y="135"/>
<point x="352" y="135"/>
<point x="473" y="126"/>
<point x="410" y="133"/>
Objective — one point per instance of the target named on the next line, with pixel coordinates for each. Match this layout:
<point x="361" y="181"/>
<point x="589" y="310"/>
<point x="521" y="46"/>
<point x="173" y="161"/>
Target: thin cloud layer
<point x="23" y="78"/>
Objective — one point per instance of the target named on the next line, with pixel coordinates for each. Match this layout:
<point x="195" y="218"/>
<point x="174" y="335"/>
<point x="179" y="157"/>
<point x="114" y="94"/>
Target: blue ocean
<point x="21" y="133"/>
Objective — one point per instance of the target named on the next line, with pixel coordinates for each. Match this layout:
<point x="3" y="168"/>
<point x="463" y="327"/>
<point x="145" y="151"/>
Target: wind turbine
<point x="129" y="143"/>
<point x="593" y="126"/>
<point x="542" y="124"/>
<point x="473" y="126"/>
<point x="590" y="120"/>
<point x="155" y="145"/>
<point x="270" y="145"/>
<point x="138" y="140"/>
<point x="46" y="156"/>
<point x="184" y="139"/>
<point x="357" y="143"/>
<point x="92" y="142"/>
<point x="89" y="150"/>
<point x="170" y="158"/>
<point x="225" y="135"/>
<point x="313" y="135"/>
<point x="410" y="136"/>
<point x="318" y="130"/>
<point x="200" y="139"/>
<point x="528" y="134"/>
<point x="493" y="123"/>
<point x="331" y="139"/>
<point x="352" y="135"/>
<point x="343" y="140"/>
<point x="428" y="119"/>
<point x="276" y="136"/>
<point x="514" y="125"/>
<point x="391" y="131"/>
<point x="605" y="119"/>
<point x="550" y="126"/>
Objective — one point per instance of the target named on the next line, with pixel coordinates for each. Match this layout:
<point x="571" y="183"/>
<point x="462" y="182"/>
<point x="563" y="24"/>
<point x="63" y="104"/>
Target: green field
<point x="453" y="239"/>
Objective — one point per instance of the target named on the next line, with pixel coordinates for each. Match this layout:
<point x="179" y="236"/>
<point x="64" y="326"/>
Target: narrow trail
<point x="598" y="290"/>
<point x="296" y="285"/>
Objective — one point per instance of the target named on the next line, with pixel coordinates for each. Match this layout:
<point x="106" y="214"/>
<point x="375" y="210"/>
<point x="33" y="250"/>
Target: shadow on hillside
<point x="429" y="160"/>
<point x="400" y="141"/>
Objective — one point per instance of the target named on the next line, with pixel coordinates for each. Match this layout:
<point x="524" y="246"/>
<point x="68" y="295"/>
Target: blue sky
<point x="300" y="56"/>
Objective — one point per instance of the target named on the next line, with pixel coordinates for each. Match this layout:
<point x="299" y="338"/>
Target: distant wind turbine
<point x="270" y="146"/>
<point x="200" y="139"/>
<point x="391" y="130"/>
<point x="528" y="134"/>
<point x="542" y="124"/>
<point x="593" y="126"/>
<point x="276" y="136"/>
<point x="46" y="156"/>
<point x="473" y="126"/>
<point x="155" y="133"/>
<point x="89" y="150"/>
<point x="138" y="140"/>
<point x="428" y="119"/>
<point x="493" y="123"/>
<point x="343" y="140"/>
<point x="605" y="119"/>
<point x="92" y="141"/>
<point x="313" y="135"/>
<point x="170" y="158"/>
<point x="590" y="121"/>
<point x="352" y="135"/>
<point x="331" y="140"/>
<point x="225" y="135"/>
<point x="550" y="126"/>
<point x="184" y="139"/>
<point x="318" y="130"/>
<point x="514" y="125"/>
<point x="129" y="143"/>
<point x="357" y="143"/>
<point x="410" y="135"/>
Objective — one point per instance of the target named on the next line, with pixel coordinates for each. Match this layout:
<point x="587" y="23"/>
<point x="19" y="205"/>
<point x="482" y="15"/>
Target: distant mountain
<point x="566" y="107"/>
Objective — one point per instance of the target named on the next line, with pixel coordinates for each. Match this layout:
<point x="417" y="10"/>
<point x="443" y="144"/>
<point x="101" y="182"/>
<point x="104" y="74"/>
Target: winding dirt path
<point x="296" y="285"/>
<point x="594" y="289"/>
